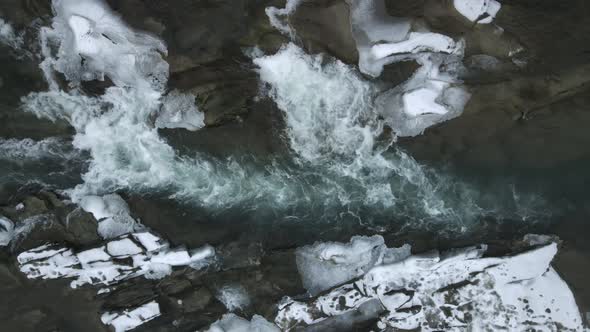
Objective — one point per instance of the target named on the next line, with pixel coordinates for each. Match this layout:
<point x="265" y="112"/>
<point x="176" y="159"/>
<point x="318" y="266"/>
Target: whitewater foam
<point x="9" y="36"/>
<point x="344" y="161"/>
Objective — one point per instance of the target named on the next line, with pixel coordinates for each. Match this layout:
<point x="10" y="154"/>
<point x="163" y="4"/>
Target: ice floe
<point x="478" y="11"/>
<point x="457" y="290"/>
<point x="131" y="318"/>
<point x="119" y="259"/>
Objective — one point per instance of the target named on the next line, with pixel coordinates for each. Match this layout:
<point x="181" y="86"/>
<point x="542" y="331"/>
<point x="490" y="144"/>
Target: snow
<point x="130" y="319"/>
<point x="457" y="290"/>
<point x="479" y="11"/>
<point x="6" y="231"/>
<point x="149" y="241"/>
<point x="233" y="323"/>
<point x="93" y="255"/>
<point x="102" y="265"/>
<point x="123" y="248"/>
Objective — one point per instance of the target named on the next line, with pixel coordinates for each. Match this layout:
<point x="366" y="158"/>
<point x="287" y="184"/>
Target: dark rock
<point x="324" y="26"/>
<point x="223" y="88"/>
<point x="81" y="228"/>
<point x="238" y="255"/>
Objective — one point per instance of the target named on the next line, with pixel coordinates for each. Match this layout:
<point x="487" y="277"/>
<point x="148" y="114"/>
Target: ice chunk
<point x="324" y="265"/>
<point x="422" y="101"/>
<point x="112" y="212"/>
<point x="370" y="25"/>
<point x="130" y="319"/>
<point x="233" y="323"/>
<point x="234" y="297"/>
<point x="416" y="42"/>
<point x="89" y="30"/>
<point x="157" y="270"/>
<point x="175" y="257"/>
<point x="179" y="111"/>
<point x="478" y="11"/>
<point x="6" y="231"/>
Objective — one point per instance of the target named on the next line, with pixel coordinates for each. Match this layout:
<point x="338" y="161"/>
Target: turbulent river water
<point x="341" y="164"/>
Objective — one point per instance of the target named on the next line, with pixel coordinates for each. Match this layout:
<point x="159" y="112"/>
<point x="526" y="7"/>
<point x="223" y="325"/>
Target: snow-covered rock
<point x="130" y="319"/>
<point x="104" y="265"/>
<point x="454" y="291"/>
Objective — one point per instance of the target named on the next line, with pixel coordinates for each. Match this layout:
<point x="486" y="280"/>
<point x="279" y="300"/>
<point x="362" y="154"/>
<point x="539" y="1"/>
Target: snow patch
<point x="130" y="319"/>
<point x="103" y="265"/>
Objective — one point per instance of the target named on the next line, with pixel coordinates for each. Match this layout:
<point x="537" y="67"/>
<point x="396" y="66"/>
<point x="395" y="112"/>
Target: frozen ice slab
<point x="455" y="291"/>
<point x="130" y="319"/>
<point x="324" y="265"/>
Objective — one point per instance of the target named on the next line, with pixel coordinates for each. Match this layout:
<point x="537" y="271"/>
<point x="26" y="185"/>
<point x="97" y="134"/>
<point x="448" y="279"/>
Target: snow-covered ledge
<point x="452" y="291"/>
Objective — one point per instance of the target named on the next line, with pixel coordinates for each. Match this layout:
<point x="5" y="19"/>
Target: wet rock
<point x="223" y="89"/>
<point x="194" y="300"/>
<point x="522" y="122"/>
<point x="238" y="255"/>
<point x="81" y="227"/>
<point x="324" y="26"/>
